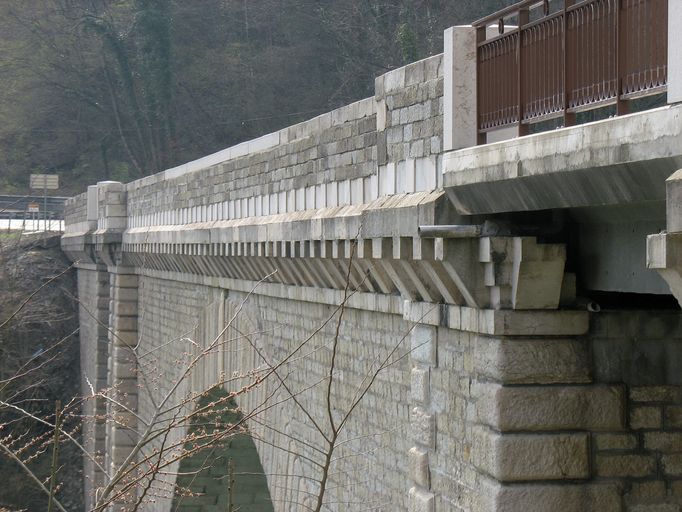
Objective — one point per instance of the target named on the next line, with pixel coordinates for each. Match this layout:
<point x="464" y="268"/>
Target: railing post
<point x="481" y="35"/>
<point x="674" y="43"/>
<point x="622" y="107"/>
<point x="523" y="17"/>
<point x="569" y="66"/>
<point x="460" y="96"/>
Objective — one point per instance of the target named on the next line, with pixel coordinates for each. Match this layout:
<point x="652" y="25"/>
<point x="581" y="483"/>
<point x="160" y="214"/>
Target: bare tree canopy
<point x="103" y="89"/>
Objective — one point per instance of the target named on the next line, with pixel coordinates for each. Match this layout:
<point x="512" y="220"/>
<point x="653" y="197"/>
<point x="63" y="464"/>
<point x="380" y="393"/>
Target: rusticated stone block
<point x="551" y="407"/>
<point x="615" y="441"/>
<point x="654" y="507"/>
<point x="419" y="385"/>
<point x="656" y="394"/>
<point x="672" y="464"/>
<point x="423" y="426"/>
<point x="645" y="418"/>
<point x="419" y="466"/>
<point x="527" y="457"/>
<point x="421" y="501"/>
<point x="628" y="466"/>
<point x="550" y="497"/>
<point x="424" y="343"/>
<point x="673" y="417"/>
<point x="668" y="442"/>
<point x="536" y="361"/>
<point x="647" y="490"/>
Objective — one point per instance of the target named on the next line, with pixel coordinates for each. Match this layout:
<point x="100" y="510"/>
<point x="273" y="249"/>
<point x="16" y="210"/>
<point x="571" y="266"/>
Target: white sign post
<point x="46" y="182"/>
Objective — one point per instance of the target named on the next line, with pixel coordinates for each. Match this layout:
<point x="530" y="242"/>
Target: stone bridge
<point x="517" y="292"/>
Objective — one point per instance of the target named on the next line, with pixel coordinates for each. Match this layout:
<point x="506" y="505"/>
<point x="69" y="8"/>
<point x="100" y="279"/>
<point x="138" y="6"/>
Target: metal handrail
<point x="576" y="55"/>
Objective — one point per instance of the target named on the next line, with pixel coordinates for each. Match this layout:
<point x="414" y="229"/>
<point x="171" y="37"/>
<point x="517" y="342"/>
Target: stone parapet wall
<point x="353" y="155"/>
<point x="322" y="162"/>
<point x="75" y="212"/>
<point x="410" y="127"/>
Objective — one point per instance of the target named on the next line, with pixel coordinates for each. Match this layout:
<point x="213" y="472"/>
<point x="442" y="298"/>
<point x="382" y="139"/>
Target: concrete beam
<point x="615" y="161"/>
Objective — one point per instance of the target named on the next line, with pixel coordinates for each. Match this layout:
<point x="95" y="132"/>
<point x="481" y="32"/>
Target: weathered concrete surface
<point x="615" y="161"/>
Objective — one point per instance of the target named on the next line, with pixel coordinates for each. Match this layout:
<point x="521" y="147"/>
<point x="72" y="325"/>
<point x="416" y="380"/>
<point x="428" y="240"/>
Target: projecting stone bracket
<point x="664" y="254"/>
<point x="490" y="272"/>
<point x="664" y="250"/>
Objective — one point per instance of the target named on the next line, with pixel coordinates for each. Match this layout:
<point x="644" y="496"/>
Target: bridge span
<point x="493" y="303"/>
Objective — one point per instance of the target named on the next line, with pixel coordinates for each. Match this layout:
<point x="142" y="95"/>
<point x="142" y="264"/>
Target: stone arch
<point x="229" y="473"/>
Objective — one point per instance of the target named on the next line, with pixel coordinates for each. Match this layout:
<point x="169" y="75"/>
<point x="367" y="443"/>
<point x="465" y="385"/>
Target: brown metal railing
<point x="540" y="60"/>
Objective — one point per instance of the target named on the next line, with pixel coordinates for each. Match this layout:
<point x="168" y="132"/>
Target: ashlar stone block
<point x="424" y="344"/>
<point x="423" y="426"/>
<point x="546" y="408"/>
<point x="419" y="466"/>
<point x="528" y="457"/>
<point x="420" y="385"/>
<point x="421" y="501"/>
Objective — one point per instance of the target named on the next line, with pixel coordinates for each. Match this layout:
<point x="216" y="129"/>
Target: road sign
<point x="44" y="181"/>
<point x="33" y="208"/>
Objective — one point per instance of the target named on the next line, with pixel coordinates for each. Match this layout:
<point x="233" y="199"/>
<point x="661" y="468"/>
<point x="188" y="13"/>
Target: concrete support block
<point x="537" y="275"/>
<point x="523" y="408"/>
<point x="459" y="89"/>
<point x="664" y="254"/>
<point x="528" y="457"/>
<point x="673" y="198"/>
<point x="674" y="42"/>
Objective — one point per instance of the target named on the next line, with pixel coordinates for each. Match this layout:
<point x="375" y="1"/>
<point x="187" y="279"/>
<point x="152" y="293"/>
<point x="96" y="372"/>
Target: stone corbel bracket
<point x="664" y="254"/>
<point x="97" y="241"/>
<point x="664" y="250"/>
<point x="375" y="247"/>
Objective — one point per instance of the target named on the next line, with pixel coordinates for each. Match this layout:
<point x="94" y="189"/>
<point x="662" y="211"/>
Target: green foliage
<point x="408" y="43"/>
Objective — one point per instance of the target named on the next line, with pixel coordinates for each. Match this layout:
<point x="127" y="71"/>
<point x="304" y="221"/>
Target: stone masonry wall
<point x="473" y="414"/>
<point x="93" y="291"/>
<point x="375" y="439"/>
<point x="643" y="351"/>
<point x="293" y="168"/>
<point x="379" y="146"/>
<point x="75" y="209"/>
<point x="410" y="126"/>
<point x="169" y="316"/>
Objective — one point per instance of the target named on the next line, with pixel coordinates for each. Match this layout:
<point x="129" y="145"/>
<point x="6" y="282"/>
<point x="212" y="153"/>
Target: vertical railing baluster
<point x="621" y="56"/>
<point x="523" y="17"/>
<point x="480" y="37"/>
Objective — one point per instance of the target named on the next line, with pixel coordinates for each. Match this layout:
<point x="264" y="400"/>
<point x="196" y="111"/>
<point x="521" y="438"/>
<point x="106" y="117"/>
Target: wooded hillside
<point x="119" y="89"/>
